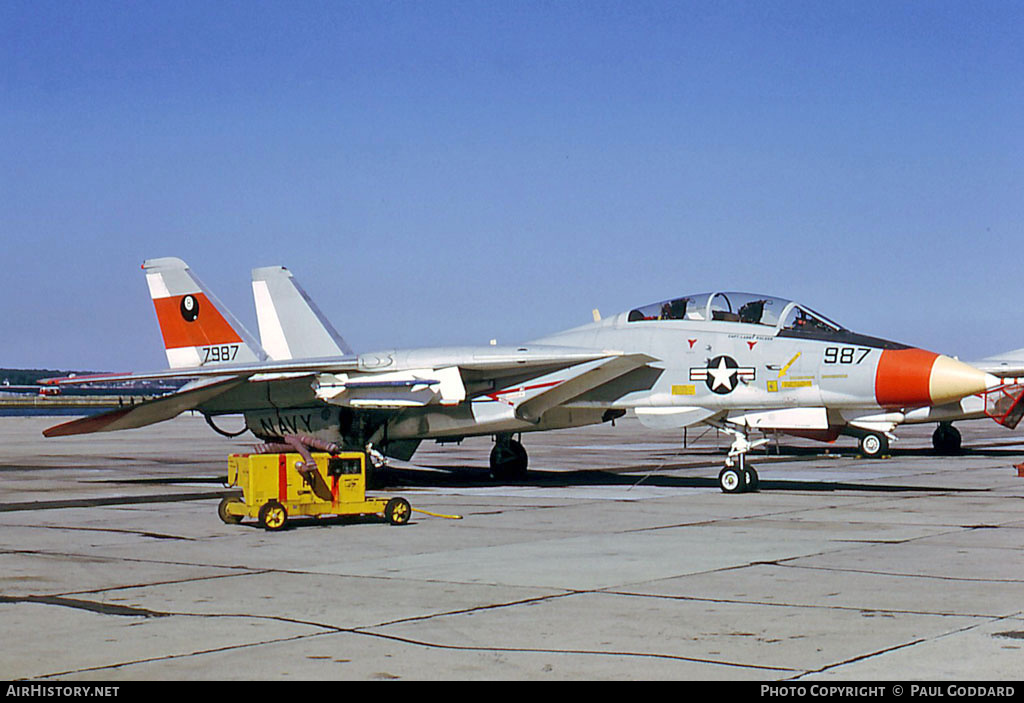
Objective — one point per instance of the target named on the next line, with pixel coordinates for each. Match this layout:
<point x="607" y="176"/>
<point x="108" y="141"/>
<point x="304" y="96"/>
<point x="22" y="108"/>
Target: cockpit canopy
<point x="738" y="307"/>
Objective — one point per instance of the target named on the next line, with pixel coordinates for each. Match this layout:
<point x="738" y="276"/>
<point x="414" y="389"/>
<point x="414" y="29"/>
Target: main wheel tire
<point x="732" y="480"/>
<point x="946" y="439"/>
<point x="874" y="445"/>
<point x="753" y="481"/>
<point x="398" y="511"/>
<point x="222" y="511"/>
<point x="509" y="461"/>
<point x="273" y="516"/>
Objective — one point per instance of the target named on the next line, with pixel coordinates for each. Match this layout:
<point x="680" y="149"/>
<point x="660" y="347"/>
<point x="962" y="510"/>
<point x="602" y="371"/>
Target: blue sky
<point x="450" y="172"/>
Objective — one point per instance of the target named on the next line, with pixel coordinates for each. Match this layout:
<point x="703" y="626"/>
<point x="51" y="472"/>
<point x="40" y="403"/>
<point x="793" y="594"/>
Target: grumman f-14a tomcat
<point x="739" y="362"/>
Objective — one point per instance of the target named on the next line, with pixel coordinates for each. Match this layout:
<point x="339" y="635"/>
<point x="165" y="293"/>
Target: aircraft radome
<point x="739" y="362"/>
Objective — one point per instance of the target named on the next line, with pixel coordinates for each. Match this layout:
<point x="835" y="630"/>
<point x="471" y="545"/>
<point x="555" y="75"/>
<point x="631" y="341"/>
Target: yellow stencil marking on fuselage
<point x="791" y="362"/>
<point x="796" y="384"/>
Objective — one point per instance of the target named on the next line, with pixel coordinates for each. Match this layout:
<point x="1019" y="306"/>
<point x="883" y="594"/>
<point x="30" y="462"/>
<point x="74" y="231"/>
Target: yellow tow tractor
<point x="281" y="485"/>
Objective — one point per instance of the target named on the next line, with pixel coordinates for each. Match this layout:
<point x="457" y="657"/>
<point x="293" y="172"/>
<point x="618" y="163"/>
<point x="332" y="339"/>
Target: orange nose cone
<point x="915" y="377"/>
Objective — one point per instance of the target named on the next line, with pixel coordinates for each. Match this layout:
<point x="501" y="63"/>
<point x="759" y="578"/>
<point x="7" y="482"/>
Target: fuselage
<point x="724" y="354"/>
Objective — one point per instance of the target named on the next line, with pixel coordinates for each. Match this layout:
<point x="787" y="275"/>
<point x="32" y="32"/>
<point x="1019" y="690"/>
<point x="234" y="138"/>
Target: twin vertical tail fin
<point x="197" y="329"/>
<point x="291" y="325"/>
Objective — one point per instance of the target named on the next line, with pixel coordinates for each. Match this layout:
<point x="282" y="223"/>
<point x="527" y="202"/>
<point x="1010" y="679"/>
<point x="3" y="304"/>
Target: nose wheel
<point x="753" y="481"/>
<point x="741" y="478"/>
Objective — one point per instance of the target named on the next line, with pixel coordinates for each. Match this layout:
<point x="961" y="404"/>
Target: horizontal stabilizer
<point x="147" y="412"/>
<point x="266" y="370"/>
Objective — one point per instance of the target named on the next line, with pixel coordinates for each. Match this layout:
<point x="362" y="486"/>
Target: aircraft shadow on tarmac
<point x="708" y="462"/>
<point x="468" y="478"/>
<point x="1002" y="449"/>
<point x="649" y="474"/>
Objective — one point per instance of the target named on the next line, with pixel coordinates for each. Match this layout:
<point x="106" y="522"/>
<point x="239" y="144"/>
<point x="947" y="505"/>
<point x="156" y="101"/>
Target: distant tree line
<point x="27" y="377"/>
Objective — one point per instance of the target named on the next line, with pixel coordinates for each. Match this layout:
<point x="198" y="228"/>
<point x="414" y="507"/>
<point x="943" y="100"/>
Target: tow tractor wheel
<point x="226" y="517"/>
<point x="398" y="511"/>
<point x="946" y="439"/>
<point x="508" y="461"/>
<point x="874" y="445"/>
<point x="273" y="516"/>
<point x="731" y="480"/>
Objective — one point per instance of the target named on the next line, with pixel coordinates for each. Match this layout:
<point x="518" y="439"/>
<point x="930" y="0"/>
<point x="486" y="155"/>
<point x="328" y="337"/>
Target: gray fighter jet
<point x="743" y="363"/>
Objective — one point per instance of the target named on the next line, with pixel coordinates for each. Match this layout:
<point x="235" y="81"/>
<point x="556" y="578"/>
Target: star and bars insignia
<point x="722" y="374"/>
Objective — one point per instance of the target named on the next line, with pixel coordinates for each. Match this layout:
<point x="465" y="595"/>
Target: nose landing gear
<point x="734" y="479"/>
<point x="738" y="476"/>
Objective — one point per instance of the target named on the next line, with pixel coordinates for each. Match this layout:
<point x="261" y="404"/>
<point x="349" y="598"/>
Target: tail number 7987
<point x="224" y="352"/>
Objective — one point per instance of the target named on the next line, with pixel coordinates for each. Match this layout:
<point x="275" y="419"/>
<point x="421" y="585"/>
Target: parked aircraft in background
<point x="739" y="362"/>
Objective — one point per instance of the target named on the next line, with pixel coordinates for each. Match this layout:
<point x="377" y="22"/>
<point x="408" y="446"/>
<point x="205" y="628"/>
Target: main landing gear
<point x="946" y="439"/>
<point x="873" y="445"/>
<point x="738" y="476"/>
<point x="508" y="459"/>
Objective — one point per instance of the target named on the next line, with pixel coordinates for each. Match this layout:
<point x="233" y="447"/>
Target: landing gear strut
<point x="946" y="439"/>
<point x="508" y="459"/>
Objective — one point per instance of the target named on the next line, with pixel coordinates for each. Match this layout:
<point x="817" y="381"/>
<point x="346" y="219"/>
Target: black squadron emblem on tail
<point x="189" y="308"/>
